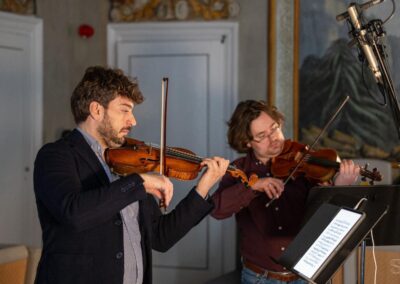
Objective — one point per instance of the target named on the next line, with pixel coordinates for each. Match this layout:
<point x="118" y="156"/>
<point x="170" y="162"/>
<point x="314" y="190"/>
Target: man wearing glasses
<point x="265" y="232"/>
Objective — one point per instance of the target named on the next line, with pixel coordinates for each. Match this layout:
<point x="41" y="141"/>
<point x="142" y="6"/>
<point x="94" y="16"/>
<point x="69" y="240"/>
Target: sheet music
<point x="327" y="242"/>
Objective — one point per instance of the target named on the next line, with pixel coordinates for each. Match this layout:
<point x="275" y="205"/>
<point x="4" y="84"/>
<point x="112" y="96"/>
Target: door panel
<point x="197" y="112"/>
<point x="20" y="125"/>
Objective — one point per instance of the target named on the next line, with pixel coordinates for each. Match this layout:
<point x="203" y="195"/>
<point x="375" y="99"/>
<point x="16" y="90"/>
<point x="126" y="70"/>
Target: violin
<point x="136" y="156"/>
<point x="317" y="166"/>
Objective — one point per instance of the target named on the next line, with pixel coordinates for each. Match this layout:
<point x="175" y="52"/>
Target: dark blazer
<point x="79" y="215"/>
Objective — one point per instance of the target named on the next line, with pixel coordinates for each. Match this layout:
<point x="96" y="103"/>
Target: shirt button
<point x="282" y="248"/>
<point x="118" y="222"/>
<point x="280" y="228"/>
<point x="119" y="255"/>
<point x="276" y="208"/>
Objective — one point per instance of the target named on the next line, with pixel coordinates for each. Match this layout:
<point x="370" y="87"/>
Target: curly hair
<point x="102" y="85"/>
<point x="239" y="134"/>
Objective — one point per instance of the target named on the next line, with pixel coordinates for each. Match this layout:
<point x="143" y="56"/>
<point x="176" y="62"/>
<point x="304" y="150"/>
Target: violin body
<point x="318" y="166"/>
<point x="137" y="157"/>
<point x="292" y="154"/>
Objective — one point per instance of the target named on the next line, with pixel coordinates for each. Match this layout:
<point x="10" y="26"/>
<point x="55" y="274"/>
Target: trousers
<point x="250" y="277"/>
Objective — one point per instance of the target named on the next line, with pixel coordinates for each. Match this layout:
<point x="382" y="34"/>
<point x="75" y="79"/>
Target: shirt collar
<point x="257" y="164"/>
<point x="93" y="143"/>
<point x="254" y="158"/>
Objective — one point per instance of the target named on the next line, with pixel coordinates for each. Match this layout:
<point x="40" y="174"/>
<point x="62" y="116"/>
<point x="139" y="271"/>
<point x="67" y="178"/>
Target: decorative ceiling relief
<point x="18" y="6"/>
<point x="167" y="10"/>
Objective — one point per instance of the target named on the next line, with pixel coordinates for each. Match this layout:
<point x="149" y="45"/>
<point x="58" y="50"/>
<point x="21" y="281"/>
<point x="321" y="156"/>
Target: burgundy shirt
<point x="265" y="232"/>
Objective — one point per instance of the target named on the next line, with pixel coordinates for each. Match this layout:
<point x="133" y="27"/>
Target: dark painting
<point x="330" y="70"/>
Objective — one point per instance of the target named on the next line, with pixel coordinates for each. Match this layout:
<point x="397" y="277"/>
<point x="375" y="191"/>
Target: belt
<point x="281" y="276"/>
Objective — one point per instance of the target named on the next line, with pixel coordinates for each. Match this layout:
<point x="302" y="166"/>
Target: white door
<point x="20" y="126"/>
<point x="200" y="62"/>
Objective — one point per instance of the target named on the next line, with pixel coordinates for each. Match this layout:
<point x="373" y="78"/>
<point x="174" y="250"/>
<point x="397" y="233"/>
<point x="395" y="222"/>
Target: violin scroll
<point x="375" y="175"/>
<point x="236" y="173"/>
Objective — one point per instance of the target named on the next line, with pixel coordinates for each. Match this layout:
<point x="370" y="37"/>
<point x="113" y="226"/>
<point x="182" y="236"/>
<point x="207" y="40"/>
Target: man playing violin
<point x="265" y="232"/>
<point x="97" y="227"/>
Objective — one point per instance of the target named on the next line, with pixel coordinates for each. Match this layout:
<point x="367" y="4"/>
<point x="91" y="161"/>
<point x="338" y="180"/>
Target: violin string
<point x="177" y="153"/>
<point x="328" y="163"/>
<point x="322" y="162"/>
<point x="185" y="156"/>
<point x="191" y="157"/>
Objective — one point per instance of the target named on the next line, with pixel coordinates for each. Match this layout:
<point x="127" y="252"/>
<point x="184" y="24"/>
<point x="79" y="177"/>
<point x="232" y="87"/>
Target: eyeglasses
<point x="262" y="136"/>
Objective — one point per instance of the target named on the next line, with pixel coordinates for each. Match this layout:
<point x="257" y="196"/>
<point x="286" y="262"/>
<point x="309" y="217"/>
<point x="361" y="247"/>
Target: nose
<point x="132" y="120"/>
<point x="273" y="136"/>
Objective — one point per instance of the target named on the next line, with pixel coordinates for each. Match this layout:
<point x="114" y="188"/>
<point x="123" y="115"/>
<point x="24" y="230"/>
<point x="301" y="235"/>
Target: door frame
<point x="30" y="30"/>
<point x="226" y="33"/>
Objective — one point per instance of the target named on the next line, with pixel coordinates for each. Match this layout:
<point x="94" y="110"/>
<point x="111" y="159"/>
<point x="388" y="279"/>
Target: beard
<point x="109" y="134"/>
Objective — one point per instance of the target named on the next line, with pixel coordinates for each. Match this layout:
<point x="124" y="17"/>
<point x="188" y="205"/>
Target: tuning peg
<point x="376" y="173"/>
<point x="364" y="179"/>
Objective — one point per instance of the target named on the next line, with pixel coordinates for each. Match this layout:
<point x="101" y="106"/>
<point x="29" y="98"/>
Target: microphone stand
<point x="384" y="80"/>
<point x="387" y="85"/>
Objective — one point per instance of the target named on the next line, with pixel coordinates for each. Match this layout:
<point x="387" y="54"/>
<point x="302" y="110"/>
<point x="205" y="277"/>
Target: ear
<point x="248" y="145"/>
<point x="96" y="111"/>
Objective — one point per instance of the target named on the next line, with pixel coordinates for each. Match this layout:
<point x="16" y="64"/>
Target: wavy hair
<point x="239" y="134"/>
<point x="102" y="85"/>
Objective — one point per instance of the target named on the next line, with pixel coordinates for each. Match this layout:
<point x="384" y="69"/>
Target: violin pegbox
<point x="364" y="178"/>
<point x="373" y="175"/>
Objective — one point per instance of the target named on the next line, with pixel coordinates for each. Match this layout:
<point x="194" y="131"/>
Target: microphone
<point x="361" y="35"/>
<point x="361" y="7"/>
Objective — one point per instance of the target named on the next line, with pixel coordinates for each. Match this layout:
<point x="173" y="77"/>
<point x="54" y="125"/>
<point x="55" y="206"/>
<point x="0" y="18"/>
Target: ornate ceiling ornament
<point x="166" y="10"/>
<point x="18" y="6"/>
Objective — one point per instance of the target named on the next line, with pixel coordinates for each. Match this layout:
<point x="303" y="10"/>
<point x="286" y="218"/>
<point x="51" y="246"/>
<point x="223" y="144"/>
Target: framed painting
<point x="323" y="69"/>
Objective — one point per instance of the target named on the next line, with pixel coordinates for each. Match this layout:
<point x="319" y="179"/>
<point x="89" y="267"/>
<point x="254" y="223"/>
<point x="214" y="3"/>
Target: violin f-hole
<point x="149" y="160"/>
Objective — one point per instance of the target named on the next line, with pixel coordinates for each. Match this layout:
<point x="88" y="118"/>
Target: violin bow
<point x="308" y="149"/>
<point x="163" y="135"/>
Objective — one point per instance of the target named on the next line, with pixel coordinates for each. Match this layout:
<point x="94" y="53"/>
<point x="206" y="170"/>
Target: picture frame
<point x="282" y="57"/>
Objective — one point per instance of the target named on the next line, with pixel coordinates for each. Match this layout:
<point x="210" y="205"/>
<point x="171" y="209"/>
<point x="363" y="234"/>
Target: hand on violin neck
<point x="216" y="168"/>
<point x="158" y="186"/>
<point x="272" y="187"/>
<point x="348" y="173"/>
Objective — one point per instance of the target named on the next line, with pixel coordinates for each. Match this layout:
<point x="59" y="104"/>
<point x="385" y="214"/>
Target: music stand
<point x="373" y="207"/>
<point x="349" y="196"/>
